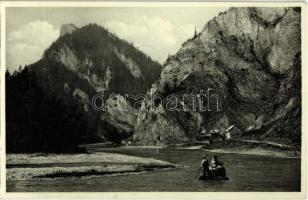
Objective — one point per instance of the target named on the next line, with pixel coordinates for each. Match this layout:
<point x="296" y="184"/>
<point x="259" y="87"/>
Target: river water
<point x="246" y="173"/>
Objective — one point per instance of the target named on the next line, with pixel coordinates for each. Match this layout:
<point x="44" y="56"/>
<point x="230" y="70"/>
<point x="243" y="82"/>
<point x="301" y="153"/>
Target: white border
<point x="2" y="101"/>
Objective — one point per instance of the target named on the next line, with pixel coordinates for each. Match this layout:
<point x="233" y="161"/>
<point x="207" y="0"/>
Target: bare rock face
<point x="67" y="57"/>
<point x="67" y="29"/>
<point x="119" y="119"/>
<point x="155" y="127"/>
<point x="250" y="57"/>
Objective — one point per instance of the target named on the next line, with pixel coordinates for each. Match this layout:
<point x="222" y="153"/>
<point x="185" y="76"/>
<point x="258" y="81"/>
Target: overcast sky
<point x="156" y="31"/>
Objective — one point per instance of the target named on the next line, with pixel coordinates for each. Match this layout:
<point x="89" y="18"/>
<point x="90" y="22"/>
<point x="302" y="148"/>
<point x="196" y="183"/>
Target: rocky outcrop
<point x="119" y="119"/>
<point x="67" y="29"/>
<point x="155" y="127"/>
<point x="66" y="56"/>
<point x="130" y="64"/>
<point x="250" y="58"/>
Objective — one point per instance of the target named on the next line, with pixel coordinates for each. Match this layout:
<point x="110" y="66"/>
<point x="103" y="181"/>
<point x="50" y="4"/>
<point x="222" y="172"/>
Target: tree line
<point x="40" y="121"/>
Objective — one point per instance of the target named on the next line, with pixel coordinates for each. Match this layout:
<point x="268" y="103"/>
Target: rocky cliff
<point x="250" y="58"/>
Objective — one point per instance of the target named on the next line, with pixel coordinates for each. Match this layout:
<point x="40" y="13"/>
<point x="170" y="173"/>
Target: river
<point x="246" y="173"/>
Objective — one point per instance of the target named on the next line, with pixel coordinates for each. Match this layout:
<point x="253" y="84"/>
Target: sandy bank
<point x="29" y="166"/>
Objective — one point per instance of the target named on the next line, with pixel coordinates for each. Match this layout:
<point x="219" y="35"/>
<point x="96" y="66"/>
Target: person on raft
<point x="217" y="167"/>
<point x="205" y="166"/>
<point x="215" y="164"/>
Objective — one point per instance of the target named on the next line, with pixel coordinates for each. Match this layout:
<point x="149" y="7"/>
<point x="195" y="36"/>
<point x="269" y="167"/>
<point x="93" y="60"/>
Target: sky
<point x="158" y="32"/>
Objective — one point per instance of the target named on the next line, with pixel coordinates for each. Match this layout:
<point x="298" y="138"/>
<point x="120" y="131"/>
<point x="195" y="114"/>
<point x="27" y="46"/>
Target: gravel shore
<point x="29" y="166"/>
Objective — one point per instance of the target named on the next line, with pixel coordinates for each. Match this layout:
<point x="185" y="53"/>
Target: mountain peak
<point x="67" y="29"/>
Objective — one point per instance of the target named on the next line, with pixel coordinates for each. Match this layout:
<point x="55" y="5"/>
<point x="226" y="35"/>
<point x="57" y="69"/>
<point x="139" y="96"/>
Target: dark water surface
<point x="246" y="173"/>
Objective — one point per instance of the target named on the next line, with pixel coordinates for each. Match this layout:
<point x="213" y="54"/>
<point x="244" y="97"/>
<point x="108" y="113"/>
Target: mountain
<point x="250" y="60"/>
<point x="242" y="71"/>
<point x="90" y="60"/>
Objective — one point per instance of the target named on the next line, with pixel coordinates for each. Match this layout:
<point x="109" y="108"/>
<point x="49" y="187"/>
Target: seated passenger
<point x="215" y="164"/>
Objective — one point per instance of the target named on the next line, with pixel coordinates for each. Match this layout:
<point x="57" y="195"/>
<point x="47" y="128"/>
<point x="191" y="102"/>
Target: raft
<point x="218" y="174"/>
<point x="208" y="178"/>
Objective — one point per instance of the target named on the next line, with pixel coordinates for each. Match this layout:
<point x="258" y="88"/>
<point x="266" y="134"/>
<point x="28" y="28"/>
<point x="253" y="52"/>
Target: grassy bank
<point x="29" y="166"/>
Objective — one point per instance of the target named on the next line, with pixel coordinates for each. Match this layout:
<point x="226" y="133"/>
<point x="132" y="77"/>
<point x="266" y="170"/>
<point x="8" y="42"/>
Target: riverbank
<point x="258" y="151"/>
<point x="238" y="150"/>
<point x="30" y="166"/>
<point x="243" y="146"/>
<point x="248" y="147"/>
<point x="256" y="147"/>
